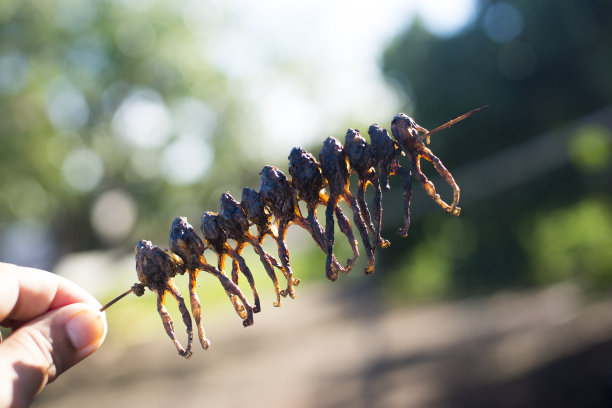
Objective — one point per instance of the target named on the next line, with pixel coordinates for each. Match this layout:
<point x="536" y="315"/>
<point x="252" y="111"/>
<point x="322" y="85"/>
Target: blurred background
<point x="119" y="115"/>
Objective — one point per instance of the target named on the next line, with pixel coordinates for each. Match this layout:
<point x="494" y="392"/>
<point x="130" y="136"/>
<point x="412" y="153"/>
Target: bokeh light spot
<point x="186" y="160"/>
<point x="191" y="115"/>
<point x="143" y="120"/>
<point x="113" y="215"/>
<point x="66" y="106"/>
<point x="503" y="22"/>
<point x="83" y="170"/>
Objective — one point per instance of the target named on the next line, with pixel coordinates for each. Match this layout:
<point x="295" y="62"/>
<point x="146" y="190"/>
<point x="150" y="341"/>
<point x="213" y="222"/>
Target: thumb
<point x="42" y="349"/>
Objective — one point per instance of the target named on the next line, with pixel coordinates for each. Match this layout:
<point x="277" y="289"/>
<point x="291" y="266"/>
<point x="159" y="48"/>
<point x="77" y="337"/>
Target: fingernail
<point x="86" y="329"/>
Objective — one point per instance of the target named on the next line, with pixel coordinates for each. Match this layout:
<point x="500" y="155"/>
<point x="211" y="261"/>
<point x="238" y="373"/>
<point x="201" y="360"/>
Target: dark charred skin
<point x="406" y="133"/>
<point x="216" y="238"/>
<point x="362" y="161"/>
<point x="386" y="154"/>
<point x="277" y="193"/>
<point x="156" y="270"/>
<point x="279" y="197"/>
<point x="335" y="168"/>
<point x="187" y="245"/>
<point x="257" y="214"/>
<point x="309" y="184"/>
<point x="255" y="210"/>
<point x="236" y="224"/>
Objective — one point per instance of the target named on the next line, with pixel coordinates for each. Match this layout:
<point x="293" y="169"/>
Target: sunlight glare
<point x="445" y="18"/>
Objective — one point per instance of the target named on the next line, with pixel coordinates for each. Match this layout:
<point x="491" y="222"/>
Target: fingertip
<point x="87" y="329"/>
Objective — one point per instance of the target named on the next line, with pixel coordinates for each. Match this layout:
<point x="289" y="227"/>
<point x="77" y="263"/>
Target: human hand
<point x="55" y="325"/>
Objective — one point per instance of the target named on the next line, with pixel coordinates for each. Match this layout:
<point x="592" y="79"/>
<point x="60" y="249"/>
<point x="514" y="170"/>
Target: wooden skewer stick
<point x="121" y="296"/>
<point x="452" y="122"/>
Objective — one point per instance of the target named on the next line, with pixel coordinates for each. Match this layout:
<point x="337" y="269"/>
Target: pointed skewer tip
<point x="452" y="122"/>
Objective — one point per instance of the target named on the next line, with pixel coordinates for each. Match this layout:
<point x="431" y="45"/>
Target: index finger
<point x="27" y="293"/>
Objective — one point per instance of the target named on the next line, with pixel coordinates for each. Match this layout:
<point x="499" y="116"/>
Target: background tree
<point x="108" y="117"/>
<point x="541" y="66"/>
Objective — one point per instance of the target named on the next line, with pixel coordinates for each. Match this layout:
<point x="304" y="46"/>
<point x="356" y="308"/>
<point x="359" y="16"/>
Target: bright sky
<point x="316" y="62"/>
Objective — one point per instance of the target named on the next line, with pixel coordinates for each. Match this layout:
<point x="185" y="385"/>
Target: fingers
<point x="27" y="293"/>
<point x="55" y="325"/>
<point x="42" y="349"/>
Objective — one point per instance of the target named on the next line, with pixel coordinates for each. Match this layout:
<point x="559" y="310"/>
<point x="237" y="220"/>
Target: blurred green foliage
<point x="591" y="148"/>
<point x="96" y="97"/>
<point x="572" y="243"/>
<point x="541" y="66"/>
